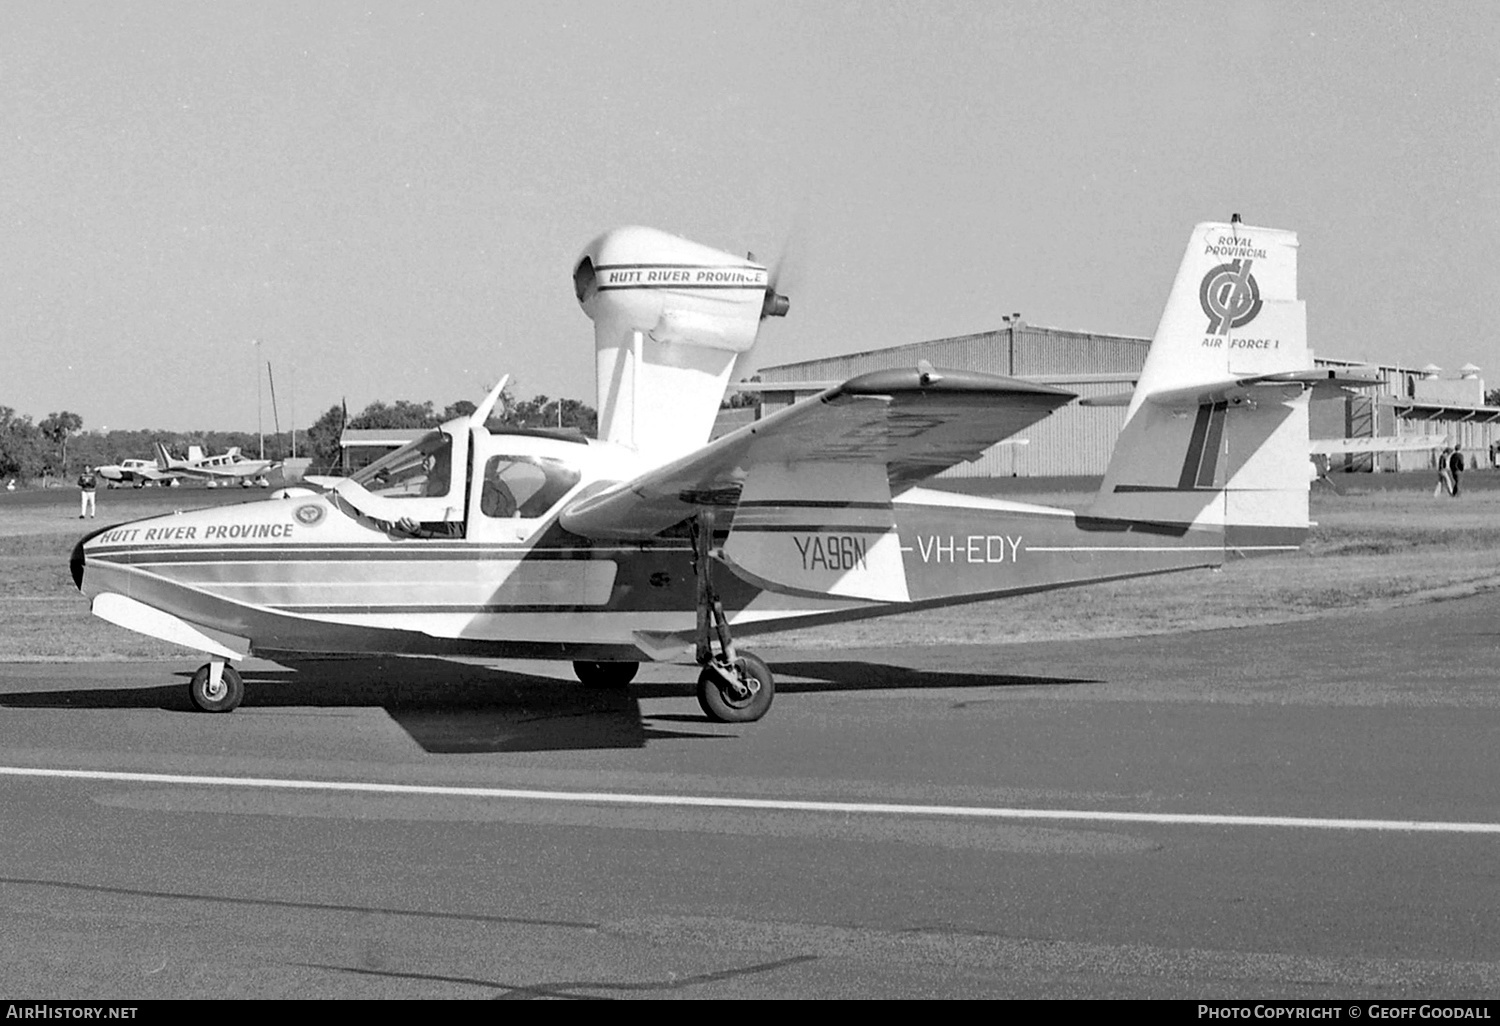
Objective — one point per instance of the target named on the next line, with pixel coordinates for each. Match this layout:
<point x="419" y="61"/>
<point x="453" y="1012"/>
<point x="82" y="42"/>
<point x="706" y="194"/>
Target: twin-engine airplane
<point x="652" y="542"/>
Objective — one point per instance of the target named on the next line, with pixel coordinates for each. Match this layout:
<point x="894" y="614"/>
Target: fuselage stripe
<point x="381" y="555"/>
<point x="1160" y="548"/>
<point x="374" y="609"/>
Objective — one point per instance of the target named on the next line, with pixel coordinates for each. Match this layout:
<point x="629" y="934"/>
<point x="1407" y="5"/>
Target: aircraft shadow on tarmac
<point x="459" y="708"/>
<point x="854" y="675"/>
<point x="836" y="675"/>
<point x="446" y="707"/>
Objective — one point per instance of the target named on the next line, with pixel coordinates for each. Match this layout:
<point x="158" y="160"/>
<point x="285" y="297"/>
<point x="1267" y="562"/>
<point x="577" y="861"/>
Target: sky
<point x="385" y="200"/>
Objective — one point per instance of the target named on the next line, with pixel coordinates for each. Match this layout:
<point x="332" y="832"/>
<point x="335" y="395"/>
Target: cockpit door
<point x="421" y="484"/>
<point x="513" y="496"/>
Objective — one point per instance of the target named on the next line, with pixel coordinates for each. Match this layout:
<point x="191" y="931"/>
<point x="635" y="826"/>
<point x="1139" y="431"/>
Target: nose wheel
<point x="217" y="687"/>
<point x="734" y="686"/>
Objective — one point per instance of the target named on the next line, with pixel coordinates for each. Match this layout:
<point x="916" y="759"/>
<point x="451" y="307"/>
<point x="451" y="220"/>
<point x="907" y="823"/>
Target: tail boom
<point x="935" y="548"/>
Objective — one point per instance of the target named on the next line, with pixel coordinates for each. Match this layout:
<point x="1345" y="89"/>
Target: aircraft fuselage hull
<point x="299" y="576"/>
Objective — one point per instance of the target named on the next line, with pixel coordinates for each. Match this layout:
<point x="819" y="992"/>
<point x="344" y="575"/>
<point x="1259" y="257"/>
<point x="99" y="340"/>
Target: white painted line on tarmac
<point x="772" y="804"/>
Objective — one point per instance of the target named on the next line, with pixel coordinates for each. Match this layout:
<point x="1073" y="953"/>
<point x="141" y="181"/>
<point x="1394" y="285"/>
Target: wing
<point x="207" y="473"/>
<point x="874" y="433"/>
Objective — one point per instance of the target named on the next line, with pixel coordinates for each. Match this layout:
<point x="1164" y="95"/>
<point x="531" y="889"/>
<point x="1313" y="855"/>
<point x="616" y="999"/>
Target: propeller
<point x="783" y="273"/>
<point x="776" y="304"/>
<point x="786" y="268"/>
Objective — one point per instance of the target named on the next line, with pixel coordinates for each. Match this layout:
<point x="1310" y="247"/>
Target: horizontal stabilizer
<point x="1405" y="443"/>
<point x="1239" y="389"/>
<point x="1319" y="380"/>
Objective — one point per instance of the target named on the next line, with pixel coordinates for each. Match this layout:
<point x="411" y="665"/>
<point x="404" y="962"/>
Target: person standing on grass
<point x="1455" y="467"/>
<point x="1445" y="473"/>
<point x="86" y="486"/>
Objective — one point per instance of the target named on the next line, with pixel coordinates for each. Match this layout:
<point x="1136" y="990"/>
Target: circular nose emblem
<point x="309" y="515"/>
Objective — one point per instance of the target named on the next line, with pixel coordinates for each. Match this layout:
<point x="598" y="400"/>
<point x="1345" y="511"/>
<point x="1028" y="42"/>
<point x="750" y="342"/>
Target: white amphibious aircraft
<point x="653" y="541"/>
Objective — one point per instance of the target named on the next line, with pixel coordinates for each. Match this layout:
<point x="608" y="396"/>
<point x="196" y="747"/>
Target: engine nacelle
<point x="670" y="319"/>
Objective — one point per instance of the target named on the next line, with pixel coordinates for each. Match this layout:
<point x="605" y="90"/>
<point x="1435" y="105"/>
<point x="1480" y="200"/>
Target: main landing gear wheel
<point x="605" y="676"/>
<point x="739" y="693"/>
<point x="217" y="692"/>
<point x="734" y="687"/>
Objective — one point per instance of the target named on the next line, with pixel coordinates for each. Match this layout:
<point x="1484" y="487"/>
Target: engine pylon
<point x="671" y="317"/>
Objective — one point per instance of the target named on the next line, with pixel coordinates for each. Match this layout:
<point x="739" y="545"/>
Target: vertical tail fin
<point x="1217" y="429"/>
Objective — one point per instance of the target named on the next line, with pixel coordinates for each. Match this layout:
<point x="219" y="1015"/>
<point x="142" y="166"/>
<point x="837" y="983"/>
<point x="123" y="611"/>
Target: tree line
<point x="58" y="446"/>
<point x="540" y="411"/>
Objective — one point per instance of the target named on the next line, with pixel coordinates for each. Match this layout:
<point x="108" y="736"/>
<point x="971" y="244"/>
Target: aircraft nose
<point x="76" y="561"/>
<point x="75" y="564"/>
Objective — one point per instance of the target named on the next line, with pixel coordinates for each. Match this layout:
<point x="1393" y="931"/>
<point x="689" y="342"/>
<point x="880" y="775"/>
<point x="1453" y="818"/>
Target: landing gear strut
<point x="733" y="687"/>
<point x="217" y="687"/>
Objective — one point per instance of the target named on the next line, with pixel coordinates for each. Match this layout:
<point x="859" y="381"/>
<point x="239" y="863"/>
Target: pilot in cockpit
<point x="435" y="483"/>
<point x="435" y="469"/>
<point x="497" y="500"/>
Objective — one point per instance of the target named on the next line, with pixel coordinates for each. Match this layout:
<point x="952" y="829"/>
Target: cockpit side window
<point x="524" y="486"/>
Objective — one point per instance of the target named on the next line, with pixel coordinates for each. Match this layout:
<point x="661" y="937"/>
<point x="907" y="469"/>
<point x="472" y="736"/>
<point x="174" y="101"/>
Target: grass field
<point x="1371" y="549"/>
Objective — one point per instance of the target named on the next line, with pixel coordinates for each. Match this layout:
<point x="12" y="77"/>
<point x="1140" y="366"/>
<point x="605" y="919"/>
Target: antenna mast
<point x="275" y="417"/>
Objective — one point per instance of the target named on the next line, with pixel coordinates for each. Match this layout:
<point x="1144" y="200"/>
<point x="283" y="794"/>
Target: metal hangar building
<point x="1420" y="406"/>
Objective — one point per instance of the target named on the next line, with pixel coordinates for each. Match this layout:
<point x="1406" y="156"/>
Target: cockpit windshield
<point x="420" y="469"/>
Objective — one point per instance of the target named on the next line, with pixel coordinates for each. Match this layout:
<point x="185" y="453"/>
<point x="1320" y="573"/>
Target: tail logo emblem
<point x="1229" y="296"/>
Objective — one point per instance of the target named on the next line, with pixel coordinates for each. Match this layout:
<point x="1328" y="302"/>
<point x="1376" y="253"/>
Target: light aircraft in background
<point x="654" y="543"/>
<point x="227" y="468"/>
<point x="137" y="473"/>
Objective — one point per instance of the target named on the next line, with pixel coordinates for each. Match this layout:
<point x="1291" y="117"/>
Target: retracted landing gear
<point x="217" y="687"/>
<point x="734" y="687"/>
